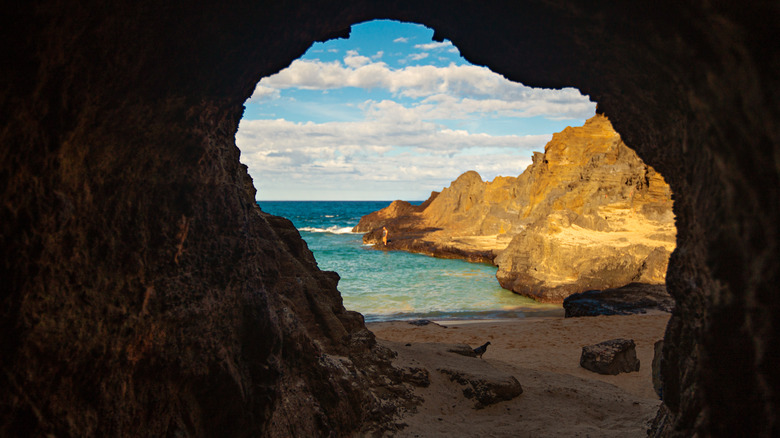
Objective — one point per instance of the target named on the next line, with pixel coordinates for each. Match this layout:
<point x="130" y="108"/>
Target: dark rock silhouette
<point x="610" y="357"/>
<point x="144" y="293"/>
<point x="658" y="384"/>
<point x="630" y="299"/>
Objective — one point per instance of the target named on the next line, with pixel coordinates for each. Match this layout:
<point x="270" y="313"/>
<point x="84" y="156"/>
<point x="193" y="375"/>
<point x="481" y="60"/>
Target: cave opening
<point x="142" y="279"/>
<point x="390" y="114"/>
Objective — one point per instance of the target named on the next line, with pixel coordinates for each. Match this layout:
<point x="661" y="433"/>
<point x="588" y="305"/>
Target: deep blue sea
<point x="396" y="285"/>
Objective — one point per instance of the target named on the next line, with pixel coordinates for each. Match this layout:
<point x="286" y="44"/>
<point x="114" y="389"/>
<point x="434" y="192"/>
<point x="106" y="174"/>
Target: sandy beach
<point x="559" y="397"/>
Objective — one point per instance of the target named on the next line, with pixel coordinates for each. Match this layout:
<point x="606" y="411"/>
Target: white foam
<point x="335" y="229"/>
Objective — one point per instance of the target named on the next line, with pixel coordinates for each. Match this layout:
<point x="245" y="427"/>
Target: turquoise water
<point x="395" y="285"/>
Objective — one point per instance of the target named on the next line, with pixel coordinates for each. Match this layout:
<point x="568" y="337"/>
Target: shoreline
<point x="511" y="315"/>
<point x="535" y="310"/>
<point x="559" y="398"/>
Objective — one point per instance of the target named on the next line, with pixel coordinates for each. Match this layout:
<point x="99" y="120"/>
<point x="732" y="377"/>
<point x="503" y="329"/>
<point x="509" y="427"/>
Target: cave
<point x="144" y="293"/>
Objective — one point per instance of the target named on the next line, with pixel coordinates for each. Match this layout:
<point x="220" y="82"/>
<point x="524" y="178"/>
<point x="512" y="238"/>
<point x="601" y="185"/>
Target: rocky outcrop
<point x="143" y="293"/>
<point x="587" y="214"/>
<point x="485" y="388"/>
<point x="604" y="219"/>
<point x="630" y="299"/>
<point x="610" y="357"/>
<point x="442" y="226"/>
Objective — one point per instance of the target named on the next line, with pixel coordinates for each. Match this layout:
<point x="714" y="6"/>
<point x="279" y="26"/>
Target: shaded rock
<point x="463" y="350"/>
<point x="630" y="299"/>
<point x="485" y="389"/>
<point x="479" y="380"/>
<point x="610" y="357"/>
<point x="658" y="385"/>
<point x="416" y="376"/>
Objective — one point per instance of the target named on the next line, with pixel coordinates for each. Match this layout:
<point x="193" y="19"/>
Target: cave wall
<point x="144" y="293"/>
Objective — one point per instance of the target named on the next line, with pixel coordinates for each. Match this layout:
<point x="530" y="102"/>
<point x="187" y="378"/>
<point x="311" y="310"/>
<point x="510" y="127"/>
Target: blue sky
<point x="390" y="114"/>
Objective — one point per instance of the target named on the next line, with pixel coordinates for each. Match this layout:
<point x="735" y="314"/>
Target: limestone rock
<point x="485" y="389"/>
<point x="629" y="299"/>
<point x="601" y="219"/>
<point x="610" y="357"/>
<point x="587" y="214"/>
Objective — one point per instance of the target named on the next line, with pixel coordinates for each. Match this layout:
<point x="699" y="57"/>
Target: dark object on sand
<point x="479" y="351"/>
<point x="627" y="300"/>
<point x="420" y="322"/>
<point x="610" y="357"/>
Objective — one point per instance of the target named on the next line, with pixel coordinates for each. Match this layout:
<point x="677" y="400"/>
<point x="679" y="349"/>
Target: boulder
<point x="610" y="357"/>
<point x="630" y="299"/>
<point x="486" y="389"/>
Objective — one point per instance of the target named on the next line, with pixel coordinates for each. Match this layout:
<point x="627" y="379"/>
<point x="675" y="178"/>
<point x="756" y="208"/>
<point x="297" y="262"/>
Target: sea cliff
<point x="587" y="214"/>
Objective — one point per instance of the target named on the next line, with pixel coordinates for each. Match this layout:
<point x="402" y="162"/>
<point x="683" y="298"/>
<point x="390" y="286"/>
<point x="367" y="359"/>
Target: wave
<point x="335" y="229"/>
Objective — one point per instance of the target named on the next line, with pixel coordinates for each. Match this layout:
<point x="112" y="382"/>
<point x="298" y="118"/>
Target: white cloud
<point x="354" y="60"/>
<point x="396" y="146"/>
<point x="418" y="56"/>
<point x="262" y="93"/>
<point x="475" y="88"/>
<point x="401" y="40"/>
<point x="390" y="146"/>
<point x="434" y="45"/>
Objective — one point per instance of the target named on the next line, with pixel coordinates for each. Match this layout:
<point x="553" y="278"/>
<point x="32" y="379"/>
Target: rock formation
<point x="587" y="214"/>
<point x="143" y="293"/>
<point x="610" y="357"/>
<point x="630" y="299"/>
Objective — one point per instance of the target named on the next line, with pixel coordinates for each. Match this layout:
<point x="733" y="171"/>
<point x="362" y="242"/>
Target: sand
<point x="559" y="398"/>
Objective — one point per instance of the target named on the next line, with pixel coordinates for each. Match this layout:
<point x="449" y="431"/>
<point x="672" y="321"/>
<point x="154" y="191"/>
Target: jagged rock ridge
<point x="587" y="214"/>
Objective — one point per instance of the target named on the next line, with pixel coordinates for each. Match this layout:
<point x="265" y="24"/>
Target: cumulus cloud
<point x="413" y="157"/>
<point x="434" y="45"/>
<point x="388" y="126"/>
<point x="262" y="93"/>
<point x="475" y="87"/>
<point x="399" y="143"/>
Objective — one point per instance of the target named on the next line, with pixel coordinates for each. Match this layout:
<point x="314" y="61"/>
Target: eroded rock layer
<point x="144" y="294"/>
<point x="587" y="214"/>
<point x="600" y="218"/>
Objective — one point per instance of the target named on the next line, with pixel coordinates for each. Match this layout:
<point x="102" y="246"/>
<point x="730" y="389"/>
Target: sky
<point x="391" y="114"/>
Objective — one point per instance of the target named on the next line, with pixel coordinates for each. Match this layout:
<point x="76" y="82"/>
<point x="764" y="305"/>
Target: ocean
<point x="396" y="285"/>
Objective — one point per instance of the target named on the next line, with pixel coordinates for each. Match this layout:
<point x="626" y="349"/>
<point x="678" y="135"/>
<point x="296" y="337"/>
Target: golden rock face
<point x="587" y="214"/>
